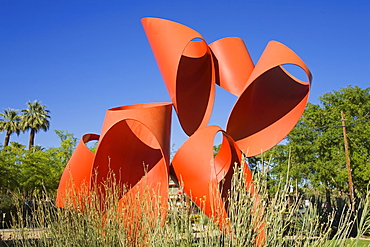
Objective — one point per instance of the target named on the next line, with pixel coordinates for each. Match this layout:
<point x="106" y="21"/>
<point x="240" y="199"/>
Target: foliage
<point x="10" y="160"/>
<point x="316" y="145"/>
<point x="216" y="149"/>
<point x="6" y="202"/>
<point x="35" y="171"/>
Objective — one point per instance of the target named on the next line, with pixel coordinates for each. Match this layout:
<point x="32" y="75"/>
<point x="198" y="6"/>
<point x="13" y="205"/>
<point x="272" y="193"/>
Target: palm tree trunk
<point x="32" y="139"/>
<point x="7" y="138"/>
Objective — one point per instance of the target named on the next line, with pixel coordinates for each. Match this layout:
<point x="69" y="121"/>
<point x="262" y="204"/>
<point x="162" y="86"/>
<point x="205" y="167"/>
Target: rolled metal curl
<point x="199" y="173"/>
<point x="75" y="182"/>
<point x="233" y="64"/>
<point x="271" y="103"/>
<point x="270" y="100"/>
<point x="134" y="146"/>
<point x="207" y="179"/>
<point x="187" y="67"/>
<point x="134" y="142"/>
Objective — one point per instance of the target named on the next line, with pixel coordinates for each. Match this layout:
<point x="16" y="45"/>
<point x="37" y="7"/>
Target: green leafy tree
<point x="60" y="156"/>
<point x="10" y="123"/>
<point x="315" y="147"/>
<point x="36" y="172"/>
<point x="10" y="160"/>
<point x="42" y="169"/>
<point x="35" y="118"/>
<point x="32" y="172"/>
<point x="67" y="145"/>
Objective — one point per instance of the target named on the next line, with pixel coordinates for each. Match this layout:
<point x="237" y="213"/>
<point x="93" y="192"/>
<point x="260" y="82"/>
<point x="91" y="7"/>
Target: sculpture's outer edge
<point x="234" y="64"/>
<point x="135" y="146"/>
<point x="187" y="68"/>
<point x="75" y="180"/>
<point x="272" y="101"/>
<point x="207" y="179"/>
<point x="134" y="143"/>
<point x="200" y="173"/>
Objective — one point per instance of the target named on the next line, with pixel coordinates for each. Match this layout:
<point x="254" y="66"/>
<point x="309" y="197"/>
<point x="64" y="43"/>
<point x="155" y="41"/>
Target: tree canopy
<point x="37" y="170"/>
<point x="315" y="147"/>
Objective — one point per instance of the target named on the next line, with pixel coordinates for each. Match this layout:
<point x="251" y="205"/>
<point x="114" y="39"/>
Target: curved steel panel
<point x="134" y="144"/>
<point x="200" y="173"/>
<point x="234" y="64"/>
<point x="75" y="180"/>
<point x="135" y="140"/>
<point x="272" y="102"/>
<point x="187" y="67"/>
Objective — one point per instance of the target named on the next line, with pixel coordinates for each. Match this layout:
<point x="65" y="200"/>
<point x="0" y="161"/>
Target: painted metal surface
<point x="200" y="173"/>
<point x="187" y="66"/>
<point x="134" y="146"/>
<point x="75" y="183"/>
<point x="270" y="102"/>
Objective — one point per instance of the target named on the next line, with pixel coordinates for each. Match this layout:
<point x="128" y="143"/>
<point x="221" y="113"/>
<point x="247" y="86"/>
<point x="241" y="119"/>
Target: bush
<point x="6" y="208"/>
<point x="101" y="221"/>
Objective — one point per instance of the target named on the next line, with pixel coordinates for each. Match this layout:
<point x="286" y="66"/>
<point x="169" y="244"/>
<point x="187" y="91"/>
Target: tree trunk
<point x="32" y="139"/>
<point x="7" y="138"/>
<point x="328" y="199"/>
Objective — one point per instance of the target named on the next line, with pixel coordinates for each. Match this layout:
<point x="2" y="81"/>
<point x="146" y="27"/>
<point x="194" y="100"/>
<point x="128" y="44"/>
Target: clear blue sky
<point x="81" y="58"/>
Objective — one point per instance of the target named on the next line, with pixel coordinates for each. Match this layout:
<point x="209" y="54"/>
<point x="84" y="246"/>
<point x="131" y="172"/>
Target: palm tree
<point x="35" y="118"/>
<point x="9" y="122"/>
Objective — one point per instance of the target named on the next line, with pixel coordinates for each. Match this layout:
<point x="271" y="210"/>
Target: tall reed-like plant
<point x="139" y="221"/>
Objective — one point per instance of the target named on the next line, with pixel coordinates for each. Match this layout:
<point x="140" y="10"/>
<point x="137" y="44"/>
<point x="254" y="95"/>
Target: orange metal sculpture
<point x="76" y="178"/>
<point x="187" y="67"/>
<point x="200" y="173"/>
<point x="134" y="145"/>
<point x="270" y="102"/>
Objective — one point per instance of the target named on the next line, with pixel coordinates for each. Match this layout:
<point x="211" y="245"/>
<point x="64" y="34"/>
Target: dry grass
<point x="101" y="221"/>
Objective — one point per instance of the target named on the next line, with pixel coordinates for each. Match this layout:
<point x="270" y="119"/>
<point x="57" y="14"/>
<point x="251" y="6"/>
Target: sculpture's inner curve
<point x="123" y="152"/>
<point x="135" y="140"/>
<point x="268" y="99"/>
<point x="193" y="88"/>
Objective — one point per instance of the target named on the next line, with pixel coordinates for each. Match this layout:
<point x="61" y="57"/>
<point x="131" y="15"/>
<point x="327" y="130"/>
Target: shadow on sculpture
<point x="135" y="140"/>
